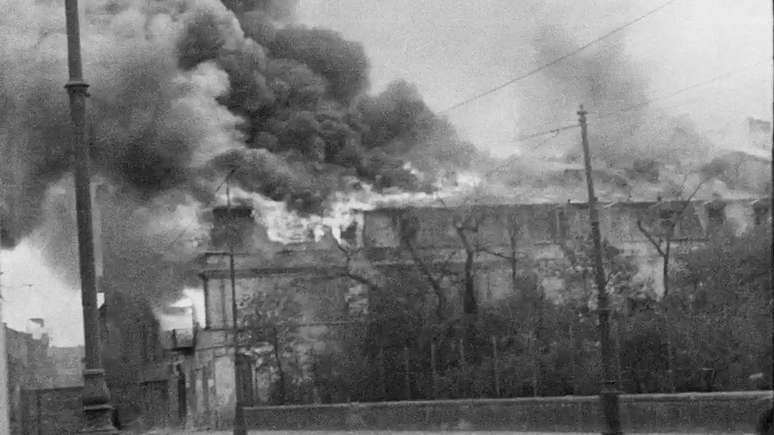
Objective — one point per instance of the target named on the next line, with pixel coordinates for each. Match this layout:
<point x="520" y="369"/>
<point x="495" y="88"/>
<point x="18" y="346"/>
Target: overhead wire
<point x="556" y="60"/>
<point x="645" y="103"/>
<point x="677" y="92"/>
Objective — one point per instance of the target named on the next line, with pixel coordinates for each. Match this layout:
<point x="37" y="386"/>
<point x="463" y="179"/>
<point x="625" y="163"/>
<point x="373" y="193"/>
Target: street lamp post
<point x="97" y="411"/>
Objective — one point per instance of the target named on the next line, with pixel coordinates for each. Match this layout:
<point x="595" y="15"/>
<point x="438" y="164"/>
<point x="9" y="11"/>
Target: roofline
<point x="601" y="204"/>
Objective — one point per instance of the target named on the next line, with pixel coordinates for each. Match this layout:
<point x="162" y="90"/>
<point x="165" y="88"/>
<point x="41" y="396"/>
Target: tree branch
<point x="650" y="238"/>
<point x="348" y="273"/>
<point x="496" y="254"/>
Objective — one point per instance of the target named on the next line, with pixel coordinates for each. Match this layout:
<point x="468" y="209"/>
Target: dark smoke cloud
<point x="280" y="10"/>
<point x="342" y="63"/>
<point x="302" y="98"/>
<point x="182" y="92"/>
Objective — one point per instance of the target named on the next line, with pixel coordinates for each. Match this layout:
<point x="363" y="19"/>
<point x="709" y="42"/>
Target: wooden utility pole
<point x="771" y="265"/>
<point x="609" y="392"/>
<point x="770" y="416"/>
<point x="5" y="424"/>
<point x="97" y="410"/>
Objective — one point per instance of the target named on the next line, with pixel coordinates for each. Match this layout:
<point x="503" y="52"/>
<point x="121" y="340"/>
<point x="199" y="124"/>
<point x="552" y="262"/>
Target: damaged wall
<point x="543" y="230"/>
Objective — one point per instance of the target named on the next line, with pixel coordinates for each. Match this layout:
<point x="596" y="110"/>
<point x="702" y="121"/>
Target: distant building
<point x="34" y="365"/>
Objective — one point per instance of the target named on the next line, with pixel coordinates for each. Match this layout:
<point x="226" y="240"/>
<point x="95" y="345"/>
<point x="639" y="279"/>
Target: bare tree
<point x="409" y="229"/>
<point x="270" y="319"/>
<point x="669" y="219"/>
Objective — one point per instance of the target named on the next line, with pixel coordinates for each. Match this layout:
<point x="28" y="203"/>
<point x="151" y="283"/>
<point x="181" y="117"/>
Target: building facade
<point x="329" y="277"/>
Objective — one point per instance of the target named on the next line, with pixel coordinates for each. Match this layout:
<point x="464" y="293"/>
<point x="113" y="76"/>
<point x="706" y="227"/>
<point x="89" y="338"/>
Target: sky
<point x="454" y="49"/>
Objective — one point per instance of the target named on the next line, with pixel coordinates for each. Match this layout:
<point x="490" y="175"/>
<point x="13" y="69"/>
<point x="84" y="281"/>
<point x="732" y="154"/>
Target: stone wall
<point x="734" y="412"/>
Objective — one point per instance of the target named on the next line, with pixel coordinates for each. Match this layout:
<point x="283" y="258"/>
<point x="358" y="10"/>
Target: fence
<point x="557" y="355"/>
<point x="733" y="412"/>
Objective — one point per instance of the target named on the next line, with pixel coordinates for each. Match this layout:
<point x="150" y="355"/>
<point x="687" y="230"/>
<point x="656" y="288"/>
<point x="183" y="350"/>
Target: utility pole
<point x="609" y="392"/>
<point x="771" y="270"/>
<point x="239" y="428"/>
<point x="5" y="410"/>
<point x="771" y="265"/>
<point x="97" y="411"/>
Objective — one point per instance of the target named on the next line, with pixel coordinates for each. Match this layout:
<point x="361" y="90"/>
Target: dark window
<point x="716" y="214"/>
<point x="562" y="224"/>
<point x="350" y="234"/>
<point x="761" y="210"/>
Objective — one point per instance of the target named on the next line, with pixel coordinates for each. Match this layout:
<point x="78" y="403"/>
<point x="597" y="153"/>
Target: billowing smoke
<point x="183" y="93"/>
<point x="641" y="151"/>
<point x="615" y="91"/>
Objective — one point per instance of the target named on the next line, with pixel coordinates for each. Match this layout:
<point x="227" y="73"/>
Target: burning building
<point x="397" y="245"/>
<point x="189" y="95"/>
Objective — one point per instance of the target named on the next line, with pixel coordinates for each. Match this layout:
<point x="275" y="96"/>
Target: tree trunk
<point x="514" y="263"/>
<point x="280" y="370"/>
<point x="667" y="326"/>
<point x="469" y="303"/>
<point x="435" y="284"/>
<point x="539" y="348"/>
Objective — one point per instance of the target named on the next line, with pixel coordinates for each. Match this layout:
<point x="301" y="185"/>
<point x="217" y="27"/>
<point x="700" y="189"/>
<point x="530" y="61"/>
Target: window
<point x="761" y="210"/>
<point x="716" y="213"/>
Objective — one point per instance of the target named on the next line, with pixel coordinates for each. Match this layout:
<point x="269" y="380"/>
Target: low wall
<point x="51" y="411"/>
<point x="730" y="412"/>
<point x="59" y="411"/>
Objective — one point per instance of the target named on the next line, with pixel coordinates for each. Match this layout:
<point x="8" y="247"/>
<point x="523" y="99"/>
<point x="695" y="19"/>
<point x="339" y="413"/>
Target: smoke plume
<point x="183" y="93"/>
<point x="641" y="151"/>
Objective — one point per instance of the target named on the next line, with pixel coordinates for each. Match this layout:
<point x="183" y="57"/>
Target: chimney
<point x="233" y="225"/>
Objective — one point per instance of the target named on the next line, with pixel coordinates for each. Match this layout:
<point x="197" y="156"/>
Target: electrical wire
<point x="556" y="60"/>
<point x="677" y="92"/>
<point x="524" y="138"/>
<point x="641" y="105"/>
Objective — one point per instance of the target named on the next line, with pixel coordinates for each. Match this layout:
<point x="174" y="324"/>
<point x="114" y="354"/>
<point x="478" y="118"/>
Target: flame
<point x="285" y="226"/>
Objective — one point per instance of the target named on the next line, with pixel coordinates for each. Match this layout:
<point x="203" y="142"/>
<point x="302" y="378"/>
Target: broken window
<point x="349" y="234"/>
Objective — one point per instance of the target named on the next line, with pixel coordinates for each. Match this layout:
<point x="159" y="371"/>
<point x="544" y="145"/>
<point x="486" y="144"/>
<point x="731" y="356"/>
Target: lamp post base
<point x="609" y="398"/>
<point x="97" y="411"/>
